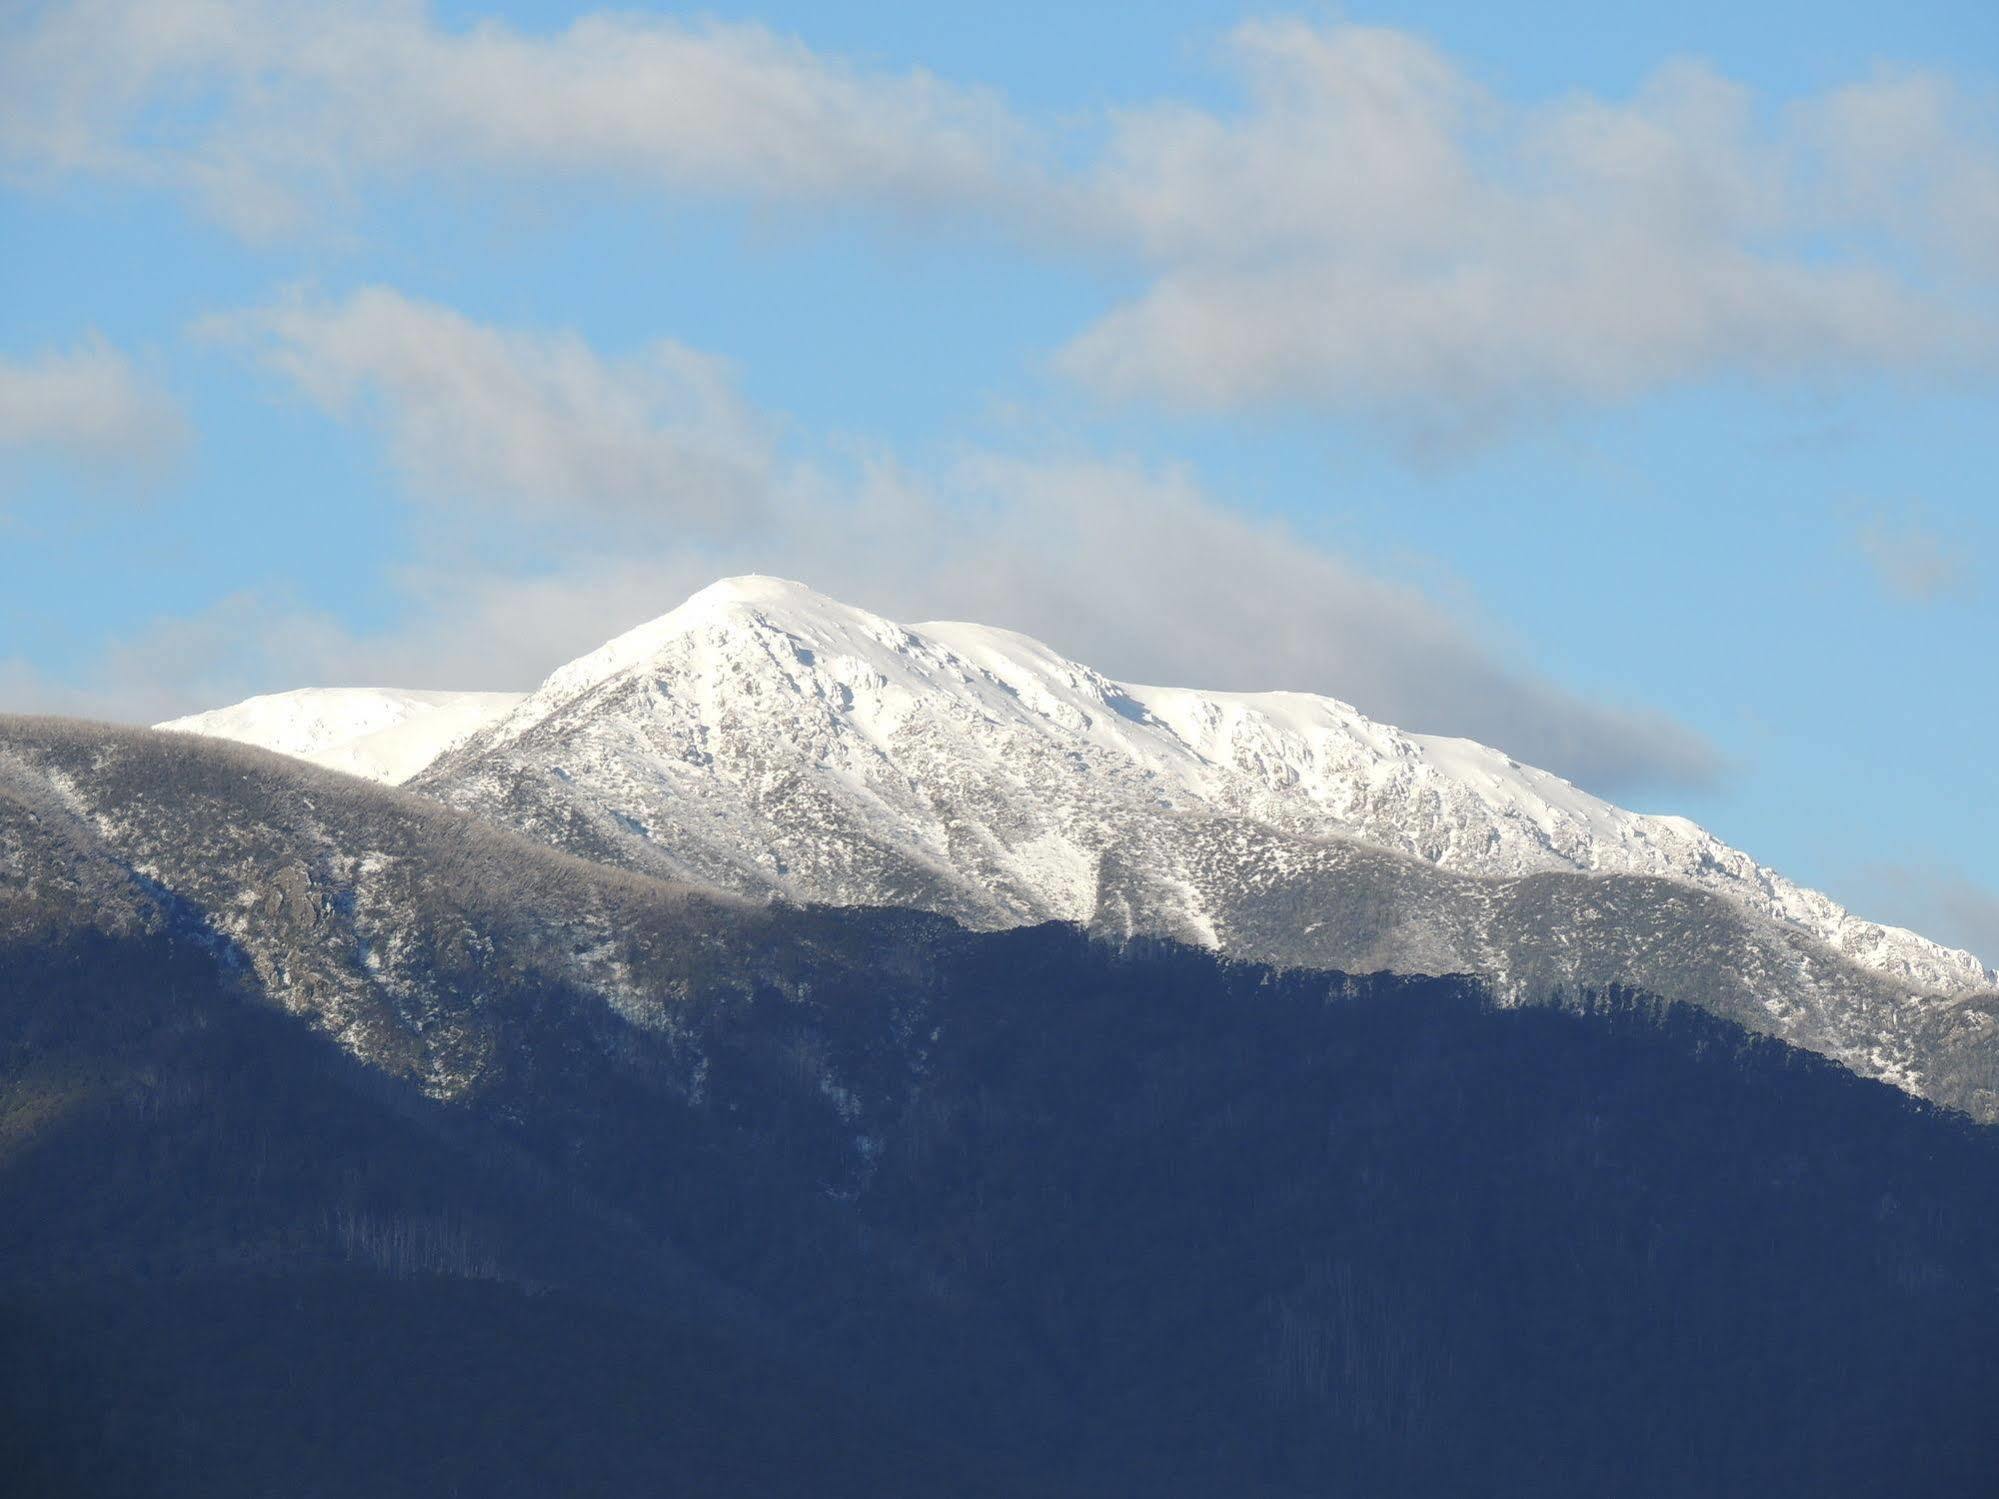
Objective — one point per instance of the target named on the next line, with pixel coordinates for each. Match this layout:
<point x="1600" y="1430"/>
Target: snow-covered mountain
<point x="767" y="740"/>
<point x="382" y="734"/>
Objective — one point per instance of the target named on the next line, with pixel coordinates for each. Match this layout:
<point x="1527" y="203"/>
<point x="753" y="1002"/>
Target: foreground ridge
<point x="609" y="1186"/>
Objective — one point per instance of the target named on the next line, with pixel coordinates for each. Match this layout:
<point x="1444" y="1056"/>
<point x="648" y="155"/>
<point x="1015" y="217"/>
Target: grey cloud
<point x="1970" y="913"/>
<point x="263" y="106"/>
<point x="1944" y="903"/>
<point x="539" y="422"/>
<point x="1911" y="560"/>
<point x="1911" y="149"/>
<point x="1149" y="579"/>
<point x="174" y="664"/>
<point x="1373" y="235"/>
<point x="88" y="406"/>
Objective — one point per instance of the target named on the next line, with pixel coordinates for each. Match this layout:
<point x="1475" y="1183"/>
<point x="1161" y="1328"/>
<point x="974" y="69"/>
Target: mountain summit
<point x="766" y="739"/>
<point x="986" y="762"/>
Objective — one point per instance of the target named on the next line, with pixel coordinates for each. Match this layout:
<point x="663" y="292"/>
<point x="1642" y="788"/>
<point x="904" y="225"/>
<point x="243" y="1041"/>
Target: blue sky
<point x="1616" y="388"/>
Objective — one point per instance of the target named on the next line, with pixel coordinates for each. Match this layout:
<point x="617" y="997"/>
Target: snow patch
<point x="380" y="734"/>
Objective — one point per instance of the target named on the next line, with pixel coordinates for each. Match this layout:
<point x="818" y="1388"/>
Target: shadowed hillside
<point x="831" y="1202"/>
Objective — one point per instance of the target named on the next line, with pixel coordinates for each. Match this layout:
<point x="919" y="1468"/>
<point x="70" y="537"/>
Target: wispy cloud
<point x="87" y="406"/>
<point x="262" y="107"/>
<point x="1911" y="559"/>
<point x="538" y="422"/>
<point x="242" y="643"/>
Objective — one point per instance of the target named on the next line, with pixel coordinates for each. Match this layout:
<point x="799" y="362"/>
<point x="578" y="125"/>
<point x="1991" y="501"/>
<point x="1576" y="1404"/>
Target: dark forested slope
<point x="822" y="1202"/>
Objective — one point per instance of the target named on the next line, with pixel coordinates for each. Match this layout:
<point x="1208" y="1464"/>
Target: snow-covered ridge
<point x="765" y="737"/>
<point x="382" y="734"/>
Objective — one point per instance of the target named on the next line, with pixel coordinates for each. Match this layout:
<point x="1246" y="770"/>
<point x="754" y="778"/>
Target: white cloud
<point x="261" y="106"/>
<point x="1371" y="234"/>
<point x="87" y="406"/>
<point x="1375" y="235"/>
<point x="538" y="422"/>
<point x="1352" y="133"/>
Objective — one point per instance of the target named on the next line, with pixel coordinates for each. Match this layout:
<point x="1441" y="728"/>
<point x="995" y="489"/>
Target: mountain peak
<point x="755" y="598"/>
<point x="760" y="589"/>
